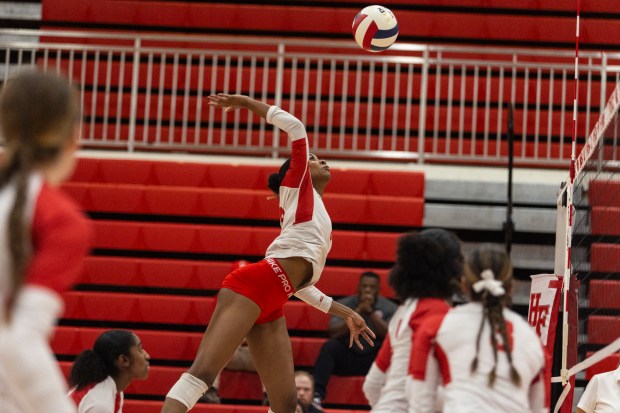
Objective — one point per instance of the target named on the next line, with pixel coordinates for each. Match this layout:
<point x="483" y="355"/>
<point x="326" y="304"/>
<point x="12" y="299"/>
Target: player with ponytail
<point x="486" y="355"/>
<point x="99" y="376"/>
<point x="43" y="236"/>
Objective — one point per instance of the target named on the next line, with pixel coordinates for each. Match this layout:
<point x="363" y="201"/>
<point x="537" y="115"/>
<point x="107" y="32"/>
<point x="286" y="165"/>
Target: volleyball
<point x="375" y="28"/>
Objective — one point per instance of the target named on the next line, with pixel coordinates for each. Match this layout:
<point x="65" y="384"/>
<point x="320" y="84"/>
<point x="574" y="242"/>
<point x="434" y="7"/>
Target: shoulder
<point x="54" y="208"/>
<point x="99" y="399"/>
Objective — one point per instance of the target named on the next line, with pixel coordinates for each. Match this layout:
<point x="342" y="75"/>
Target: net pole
<point x="570" y="207"/>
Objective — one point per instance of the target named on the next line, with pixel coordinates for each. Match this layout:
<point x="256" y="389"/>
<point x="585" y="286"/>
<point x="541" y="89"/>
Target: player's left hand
<point x="357" y="327"/>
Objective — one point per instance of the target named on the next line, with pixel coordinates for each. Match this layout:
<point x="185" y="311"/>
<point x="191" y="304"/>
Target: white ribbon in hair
<point x="489" y="283"/>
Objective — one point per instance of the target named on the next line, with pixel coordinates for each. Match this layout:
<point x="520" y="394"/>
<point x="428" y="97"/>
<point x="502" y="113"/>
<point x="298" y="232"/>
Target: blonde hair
<point x="494" y="261"/>
<point x="38" y="114"/>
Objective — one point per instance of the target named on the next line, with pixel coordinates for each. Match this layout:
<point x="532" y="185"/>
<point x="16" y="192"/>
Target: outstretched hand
<point x="226" y="101"/>
<point x="357" y="327"/>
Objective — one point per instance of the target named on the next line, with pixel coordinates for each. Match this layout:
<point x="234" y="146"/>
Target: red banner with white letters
<point x="544" y="305"/>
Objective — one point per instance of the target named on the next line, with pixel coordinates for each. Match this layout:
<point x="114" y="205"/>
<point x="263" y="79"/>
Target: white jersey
<point x="602" y="394"/>
<point x="384" y="385"/>
<point x="306" y="226"/>
<point x="30" y="378"/>
<point x="445" y="347"/>
<point x="103" y="397"/>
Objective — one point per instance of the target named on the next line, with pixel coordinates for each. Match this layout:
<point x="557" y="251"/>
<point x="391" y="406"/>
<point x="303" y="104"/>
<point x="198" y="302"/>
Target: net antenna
<point x="595" y="173"/>
<point x="566" y="197"/>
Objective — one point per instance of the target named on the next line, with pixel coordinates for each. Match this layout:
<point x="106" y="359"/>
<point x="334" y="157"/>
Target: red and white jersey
<point x="444" y="349"/>
<point x="306" y="226"/>
<point x="102" y="397"/>
<point x="384" y="386"/>
<point x="60" y="238"/>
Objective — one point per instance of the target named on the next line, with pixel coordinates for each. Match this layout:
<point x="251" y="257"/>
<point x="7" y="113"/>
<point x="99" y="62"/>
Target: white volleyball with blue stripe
<point x="375" y="28"/>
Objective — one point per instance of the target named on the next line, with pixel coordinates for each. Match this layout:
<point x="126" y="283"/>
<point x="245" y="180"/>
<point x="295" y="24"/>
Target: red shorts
<point x="265" y="283"/>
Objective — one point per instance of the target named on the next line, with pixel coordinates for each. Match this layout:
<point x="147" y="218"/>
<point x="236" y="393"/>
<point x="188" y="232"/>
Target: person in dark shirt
<point x="336" y="356"/>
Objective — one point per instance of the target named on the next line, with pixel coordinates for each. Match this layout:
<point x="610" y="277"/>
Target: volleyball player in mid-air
<point x="249" y="304"/>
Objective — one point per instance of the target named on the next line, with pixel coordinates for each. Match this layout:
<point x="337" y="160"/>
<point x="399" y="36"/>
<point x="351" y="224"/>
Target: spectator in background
<point x="424" y="277"/>
<point x="602" y="394"/>
<point x="488" y="357"/>
<point x="336" y="356"/>
<point x="305" y="392"/>
<point x="44" y="236"/>
<point x="99" y="376"/>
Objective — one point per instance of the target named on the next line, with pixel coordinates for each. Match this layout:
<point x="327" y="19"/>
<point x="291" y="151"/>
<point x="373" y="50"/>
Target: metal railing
<point x="415" y="102"/>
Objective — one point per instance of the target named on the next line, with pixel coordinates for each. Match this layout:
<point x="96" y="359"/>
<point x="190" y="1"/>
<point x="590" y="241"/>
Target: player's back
<point x="468" y="391"/>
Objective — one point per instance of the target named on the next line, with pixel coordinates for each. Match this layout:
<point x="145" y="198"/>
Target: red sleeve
<point x="299" y="164"/>
<point x="298" y="176"/>
<point x="424" y="322"/>
<point x="384" y="356"/>
<point x="61" y="238"/>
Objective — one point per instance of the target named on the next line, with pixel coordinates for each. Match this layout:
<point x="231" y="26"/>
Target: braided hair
<point x="492" y="263"/>
<point x="38" y="115"/>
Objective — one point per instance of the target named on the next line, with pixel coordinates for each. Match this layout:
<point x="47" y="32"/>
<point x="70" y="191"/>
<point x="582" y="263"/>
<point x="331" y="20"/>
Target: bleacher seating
<point x="166" y="234"/>
<point x="603" y="325"/>
<point x="518" y="23"/>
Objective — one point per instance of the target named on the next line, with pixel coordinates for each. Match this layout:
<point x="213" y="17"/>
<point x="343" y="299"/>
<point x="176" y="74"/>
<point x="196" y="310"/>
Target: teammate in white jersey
<point x="43" y="237"/>
<point x="425" y="277"/>
<point x="487" y="356"/>
<point x="249" y="305"/>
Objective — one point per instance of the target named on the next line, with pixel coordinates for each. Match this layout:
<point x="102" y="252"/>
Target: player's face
<point x="319" y="171"/>
<point x="139" y="360"/>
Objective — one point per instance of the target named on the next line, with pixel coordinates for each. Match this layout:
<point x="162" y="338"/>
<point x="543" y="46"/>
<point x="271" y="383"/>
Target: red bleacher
<point x="201" y="275"/>
<point x="524" y="25"/>
<point x="239" y="176"/>
<point x="603" y="329"/>
<point x="155" y="302"/>
<point x="243" y="385"/>
<point x="169" y="345"/>
<point x="608" y="364"/>
<point x="604" y="294"/>
<point x="177" y="310"/>
<point x="228" y="239"/>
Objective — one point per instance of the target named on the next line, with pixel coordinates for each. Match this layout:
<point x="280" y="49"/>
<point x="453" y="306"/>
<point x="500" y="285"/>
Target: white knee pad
<point x="187" y="390"/>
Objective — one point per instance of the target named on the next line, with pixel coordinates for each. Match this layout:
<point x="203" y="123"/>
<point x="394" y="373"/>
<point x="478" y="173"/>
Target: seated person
<point x="305" y="391"/>
<point x="336" y="357"/>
